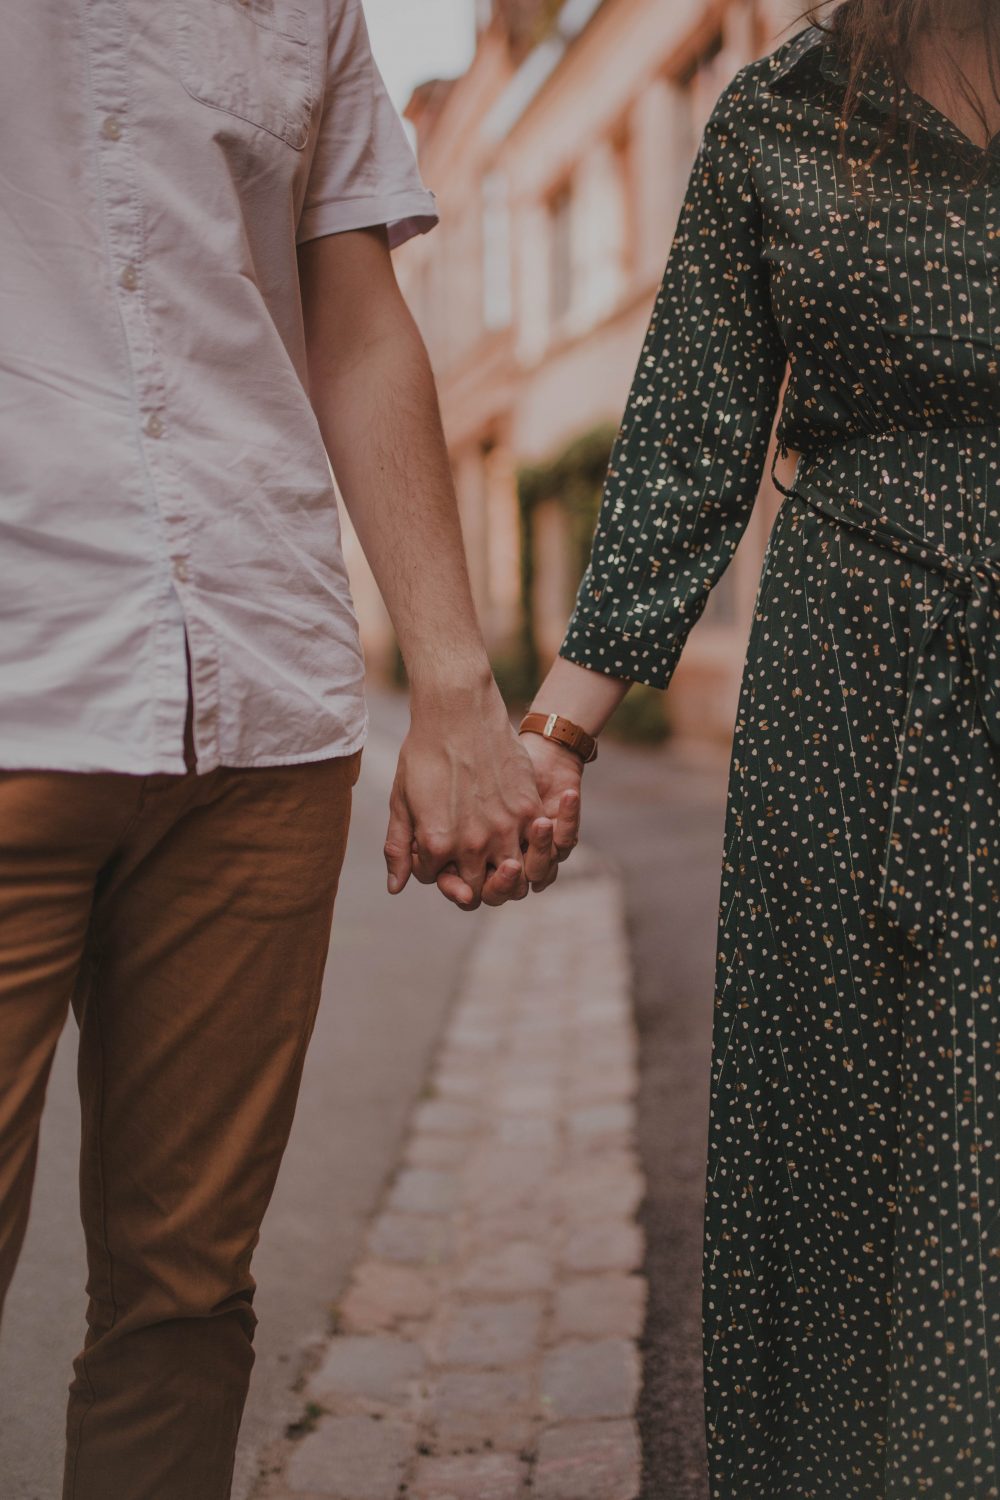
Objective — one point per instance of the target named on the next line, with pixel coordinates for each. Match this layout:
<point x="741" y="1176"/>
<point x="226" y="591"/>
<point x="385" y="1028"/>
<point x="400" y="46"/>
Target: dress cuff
<point x="616" y="655"/>
<point x="404" y="215"/>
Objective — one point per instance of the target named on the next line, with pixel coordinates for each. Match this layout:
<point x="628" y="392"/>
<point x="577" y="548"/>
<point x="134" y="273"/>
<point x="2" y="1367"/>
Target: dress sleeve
<point x="363" y="170"/>
<point x="689" y="456"/>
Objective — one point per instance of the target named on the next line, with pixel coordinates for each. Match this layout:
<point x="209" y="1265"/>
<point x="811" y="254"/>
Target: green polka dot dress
<point x="852" y="1242"/>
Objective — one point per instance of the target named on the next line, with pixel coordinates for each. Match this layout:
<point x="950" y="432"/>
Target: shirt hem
<point x="99" y="763"/>
<point x="307" y="757"/>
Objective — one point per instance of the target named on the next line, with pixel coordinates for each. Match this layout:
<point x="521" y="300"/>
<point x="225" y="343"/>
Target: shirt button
<point x="154" y="427"/>
<point x="111" y="129"/>
<point x="129" y="278"/>
<point x="180" y="570"/>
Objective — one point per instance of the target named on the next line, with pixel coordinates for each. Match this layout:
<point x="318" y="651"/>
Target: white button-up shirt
<point x="162" y="475"/>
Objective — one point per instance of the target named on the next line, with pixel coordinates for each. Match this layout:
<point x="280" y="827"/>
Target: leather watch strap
<point x="562" y="732"/>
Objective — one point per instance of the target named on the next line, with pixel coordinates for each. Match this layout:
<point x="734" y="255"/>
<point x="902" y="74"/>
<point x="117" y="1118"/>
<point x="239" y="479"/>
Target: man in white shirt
<point x="198" y="205"/>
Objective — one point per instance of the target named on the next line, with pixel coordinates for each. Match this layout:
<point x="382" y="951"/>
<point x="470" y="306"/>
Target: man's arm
<point x="464" y="799"/>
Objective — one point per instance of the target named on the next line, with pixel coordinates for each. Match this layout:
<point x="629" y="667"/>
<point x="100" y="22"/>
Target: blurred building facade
<point x="560" y="159"/>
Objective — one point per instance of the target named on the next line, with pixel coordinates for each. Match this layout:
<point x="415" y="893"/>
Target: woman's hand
<point x="558" y="776"/>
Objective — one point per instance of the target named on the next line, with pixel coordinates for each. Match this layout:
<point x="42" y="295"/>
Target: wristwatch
<point x="562" y="732"/>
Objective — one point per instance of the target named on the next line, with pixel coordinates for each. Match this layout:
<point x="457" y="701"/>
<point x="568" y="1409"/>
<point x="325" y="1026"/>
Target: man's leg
<point x="56" y="830"/>
<point x="196" y="1005"/>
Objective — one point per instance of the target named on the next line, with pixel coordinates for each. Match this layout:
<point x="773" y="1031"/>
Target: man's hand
<point x="465" y="812"/>
<point x="558" y="774"/>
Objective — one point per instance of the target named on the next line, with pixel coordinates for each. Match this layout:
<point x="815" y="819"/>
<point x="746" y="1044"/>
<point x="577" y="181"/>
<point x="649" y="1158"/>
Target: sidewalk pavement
<point x="487" y="1345"/>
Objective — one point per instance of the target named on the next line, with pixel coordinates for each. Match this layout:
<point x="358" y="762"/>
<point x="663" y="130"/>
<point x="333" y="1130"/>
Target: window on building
<point x="629" y="188"/>
<point x="497" y="295"/>
<point x="561" y="253"/>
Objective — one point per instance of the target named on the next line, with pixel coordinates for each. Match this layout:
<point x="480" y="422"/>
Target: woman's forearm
<point x="586" y="697"/>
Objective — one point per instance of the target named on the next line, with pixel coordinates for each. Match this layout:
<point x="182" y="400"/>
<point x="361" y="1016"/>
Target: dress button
<point x="129" y="278"/>
<point x="111" y="129"/>
<point x="154" y="427"/>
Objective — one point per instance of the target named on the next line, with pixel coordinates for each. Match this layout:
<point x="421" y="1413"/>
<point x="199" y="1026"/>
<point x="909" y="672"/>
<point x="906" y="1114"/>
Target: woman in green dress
<point x="843" y="223"/>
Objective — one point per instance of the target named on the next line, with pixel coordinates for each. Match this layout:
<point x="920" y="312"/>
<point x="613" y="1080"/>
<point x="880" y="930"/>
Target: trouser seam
<point x="92" y="998"/>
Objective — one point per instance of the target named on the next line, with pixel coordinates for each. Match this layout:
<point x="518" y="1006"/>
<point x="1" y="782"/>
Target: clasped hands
<point x="478" y="811"/>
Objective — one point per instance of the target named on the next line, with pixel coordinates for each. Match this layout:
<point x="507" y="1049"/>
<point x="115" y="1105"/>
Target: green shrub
<point x="641" y="718"/>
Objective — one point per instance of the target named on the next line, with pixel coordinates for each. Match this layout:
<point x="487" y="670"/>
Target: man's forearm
<point x="382" y="429"/>
<point x="464" y="809"/>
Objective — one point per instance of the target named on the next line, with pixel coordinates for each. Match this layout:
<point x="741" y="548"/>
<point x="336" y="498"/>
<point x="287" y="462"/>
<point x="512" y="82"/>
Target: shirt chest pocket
<point x="250" y="58"/>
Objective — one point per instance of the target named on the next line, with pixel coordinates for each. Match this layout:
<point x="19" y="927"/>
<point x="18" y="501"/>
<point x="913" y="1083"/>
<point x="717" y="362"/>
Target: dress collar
<point x="793" y="54"/>
<point x="814" y="44"/>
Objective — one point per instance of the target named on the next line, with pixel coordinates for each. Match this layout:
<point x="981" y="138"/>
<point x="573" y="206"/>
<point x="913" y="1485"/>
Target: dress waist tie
<point x="932" y="828"/>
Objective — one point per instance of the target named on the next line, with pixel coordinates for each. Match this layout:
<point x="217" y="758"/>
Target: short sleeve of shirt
<point x="363" y="171"/>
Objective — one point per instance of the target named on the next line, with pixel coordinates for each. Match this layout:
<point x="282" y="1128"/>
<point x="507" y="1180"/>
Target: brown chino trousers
<point x="188" y="918"/>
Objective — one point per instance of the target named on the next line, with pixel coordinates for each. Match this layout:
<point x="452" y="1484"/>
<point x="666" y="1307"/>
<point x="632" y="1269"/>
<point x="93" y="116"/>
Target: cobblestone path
<point x="487" y="1347"/>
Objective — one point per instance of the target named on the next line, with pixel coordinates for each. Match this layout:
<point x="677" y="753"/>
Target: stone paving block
<point x="614" y="1119"/>
<point x="536" y="1029"/>
<point x="475" y="1038"/>
<point x="586" y="1380"/>
<point x="487" y="1335"/>
<point x="553" y="1046"/>
<point x="527" y="1099"/>
<point x="609" y="1189"/>
<point x="424" y="1190"/>
<point x="611" y="1009"/>
<point x="501" y="1177"/>
<point x="441" y="1151"/>
<point x="534" y="1071"/>
<point x="473" y="1408"/>
<point x="618" y="1076"/>
<point x="619" y="1060"/>
<point x="507" y="1270"/>
<point x="383" y="1294"/>
<point x="469" y="1061"/>
<point x="491" y="1225"/>
<point x="417" y="1239"/>
<point x="374" y="1367"/>
<point x="351" y="1458"/>
<point x="608" y="1306"/>
<point x="603" y="1041"/>
<point x="468" y="1476"/>
<point x="447" y="1117"/>
<point x="529" y="1130"/>
<point x="458" y="1085"/>
<point x="588" y="1461"/>
<point x="603" y="1247"/>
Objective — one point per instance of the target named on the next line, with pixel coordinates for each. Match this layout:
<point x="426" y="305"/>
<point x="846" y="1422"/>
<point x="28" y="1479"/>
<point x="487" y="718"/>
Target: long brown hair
<point x="885" y="33"/>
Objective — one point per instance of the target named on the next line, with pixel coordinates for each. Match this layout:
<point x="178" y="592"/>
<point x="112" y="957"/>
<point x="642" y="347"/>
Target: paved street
<point x="378" y="1136"/>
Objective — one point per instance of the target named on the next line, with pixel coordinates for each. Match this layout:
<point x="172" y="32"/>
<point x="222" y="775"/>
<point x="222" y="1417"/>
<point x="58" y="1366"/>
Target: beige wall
<point x="610" y="136"/>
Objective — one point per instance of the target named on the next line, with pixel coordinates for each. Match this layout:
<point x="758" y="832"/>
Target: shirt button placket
<point x="112" y="88"/>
